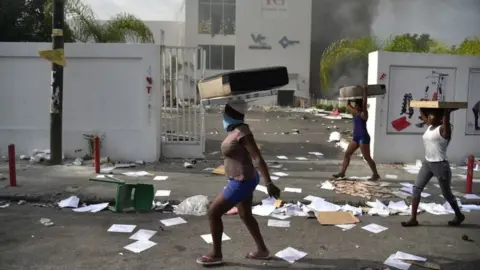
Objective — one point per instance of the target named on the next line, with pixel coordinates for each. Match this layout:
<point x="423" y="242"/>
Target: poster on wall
<point x="414" y="83"/>
<point x="473" y="110"/>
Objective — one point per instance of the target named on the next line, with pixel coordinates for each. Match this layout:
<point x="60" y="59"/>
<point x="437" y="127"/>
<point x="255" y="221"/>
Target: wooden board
<point x="248" y="97"/>
<point x="438" y="104"/>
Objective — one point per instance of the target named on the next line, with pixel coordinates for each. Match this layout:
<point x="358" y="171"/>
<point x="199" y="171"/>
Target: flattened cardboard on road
<point x="336" y="218"/>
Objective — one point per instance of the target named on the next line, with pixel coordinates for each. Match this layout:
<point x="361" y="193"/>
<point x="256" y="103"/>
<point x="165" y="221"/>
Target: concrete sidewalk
<point x="51" y="184"/>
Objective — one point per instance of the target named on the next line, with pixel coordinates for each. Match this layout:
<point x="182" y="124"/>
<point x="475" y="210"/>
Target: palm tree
<point x="357" y="49"/>
<point x="470" y="46"/>
<point x="81" y="22"/>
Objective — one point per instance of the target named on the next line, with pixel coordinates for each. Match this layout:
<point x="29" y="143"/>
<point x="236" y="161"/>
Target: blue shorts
<point x="362" y="139"/>
<point x="237" y="191"/>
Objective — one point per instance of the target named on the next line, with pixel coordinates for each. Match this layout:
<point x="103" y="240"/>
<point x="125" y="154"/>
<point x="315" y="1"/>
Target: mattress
<point x="355" y="92"/>
<point x="248" y="97"/>
<point x="242" y="81"/>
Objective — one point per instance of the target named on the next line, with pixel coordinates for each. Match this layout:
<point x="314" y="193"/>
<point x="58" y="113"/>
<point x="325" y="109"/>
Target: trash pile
<point x="365" y="189"/>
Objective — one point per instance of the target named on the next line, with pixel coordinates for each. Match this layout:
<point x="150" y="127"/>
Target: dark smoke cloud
<point x="449" y="21"/>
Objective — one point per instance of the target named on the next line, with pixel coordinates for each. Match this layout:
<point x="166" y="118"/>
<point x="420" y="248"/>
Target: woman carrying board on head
<point x="361" y="138"/>
<point x="436" y="140"/>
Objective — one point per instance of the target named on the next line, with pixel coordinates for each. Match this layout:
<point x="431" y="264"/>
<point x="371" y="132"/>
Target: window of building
<point x="218" y="57"/>
<point x="216" y="17"/>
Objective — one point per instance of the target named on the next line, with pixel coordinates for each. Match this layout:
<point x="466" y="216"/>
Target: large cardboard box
<point x="356" y="92"/>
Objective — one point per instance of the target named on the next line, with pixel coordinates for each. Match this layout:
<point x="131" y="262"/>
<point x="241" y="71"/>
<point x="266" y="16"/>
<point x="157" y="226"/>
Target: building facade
<point x="253" y="33"/>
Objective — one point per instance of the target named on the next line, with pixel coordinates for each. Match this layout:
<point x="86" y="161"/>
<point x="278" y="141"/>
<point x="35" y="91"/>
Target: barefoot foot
<point x="339" y="176"/>
<point x="258" y="255"/>
<point x="374" y="177"/>
<point x="410" y="223"/>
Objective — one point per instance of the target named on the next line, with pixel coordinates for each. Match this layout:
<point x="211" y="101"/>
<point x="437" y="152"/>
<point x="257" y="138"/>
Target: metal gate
<point x="183" y="118"/>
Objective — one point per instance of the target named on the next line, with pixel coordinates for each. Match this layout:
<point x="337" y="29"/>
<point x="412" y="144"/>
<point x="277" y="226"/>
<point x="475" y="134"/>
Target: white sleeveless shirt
<point x="435" y="145"/>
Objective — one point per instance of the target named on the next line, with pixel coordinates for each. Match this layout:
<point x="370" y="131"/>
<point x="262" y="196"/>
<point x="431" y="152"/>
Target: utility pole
<point x="56" y="102"/>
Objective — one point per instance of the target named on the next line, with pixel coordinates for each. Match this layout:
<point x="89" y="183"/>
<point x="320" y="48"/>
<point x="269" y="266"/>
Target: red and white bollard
<point x="469" y="182"/>
<point x="11" y="165"/>
<point x="96" y="153"/>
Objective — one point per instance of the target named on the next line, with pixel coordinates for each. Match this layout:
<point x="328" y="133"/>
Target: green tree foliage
<point x="357" y="49"/>
<point x="470" y="46"/>
<point x="31" y="21"/>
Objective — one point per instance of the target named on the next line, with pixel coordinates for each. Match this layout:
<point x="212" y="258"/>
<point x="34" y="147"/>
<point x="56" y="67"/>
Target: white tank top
<point x="435" y="145"/>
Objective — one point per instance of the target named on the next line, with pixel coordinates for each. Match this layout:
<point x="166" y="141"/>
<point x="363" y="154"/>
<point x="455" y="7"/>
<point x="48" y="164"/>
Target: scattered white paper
<point x="136" y="174"/>
<point x="100" y="176"/>
<point x="409" y="257"/>
<point x="280" y="216"/>
<point x="173" y="221"/>
<point x="93" y="208"/>
<point x="391" y="176"/>
<point x="409" y="190"/>
<point x="290" y="254"/>
<point x="71" y="202"/>
<point x="208" y="238"/>
<point x="263" y="210"/>
<point x="294" y="190"/>
<point x="160" y="178"/>
<point x="280" y="174"/>
<point x="323" y="206"/>
<point x="162" y="193"/>
<point x="139" y="246"/>
<point x="399" y="206"/>
<point x="471" y="196"/>
<point x="401" y="194"/>
<point x="301" y="158"/>
<point x="407" y="185"/>
<point x="282" y="157"/>
<point x="327" y="185"/>
<point x="122" y="228"/>
<point x="437" y="185"/>
<point x="261" y="189"/>
<point x="374" y="228"/>
<point x="124" y="165"/>
<point x="268" y="201"/>
<point x="278" y="223"/>
<point x="391" y="261"/>
<point x="313" y="198"/>
<point x="209" y="169"/>
<point x="107" y="169"/>
<point x="276" y="166"/>
<point x="143" y="235"/>
<point x="318" y="154"/>
<point x="274" y="178"/>
<point x="346" y="227"/>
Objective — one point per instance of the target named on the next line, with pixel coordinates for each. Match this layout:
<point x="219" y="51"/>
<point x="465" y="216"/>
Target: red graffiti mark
<point x="382" y="76"/>
<point x="148" y="89"/>
<point x="149" y="80"/>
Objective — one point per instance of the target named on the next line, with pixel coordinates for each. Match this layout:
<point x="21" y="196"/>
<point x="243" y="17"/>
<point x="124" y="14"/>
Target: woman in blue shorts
<point x="361" y="138"/>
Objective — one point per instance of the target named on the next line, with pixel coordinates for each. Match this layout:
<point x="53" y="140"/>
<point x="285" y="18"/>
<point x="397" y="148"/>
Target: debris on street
<point x="46" y="222"/>
<point x="196" y="206"/>
<point x="364" y="189"/>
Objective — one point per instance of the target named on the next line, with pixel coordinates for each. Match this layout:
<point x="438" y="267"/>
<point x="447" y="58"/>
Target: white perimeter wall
<point x="104" y="93"/>
<point x="405" y="73"/>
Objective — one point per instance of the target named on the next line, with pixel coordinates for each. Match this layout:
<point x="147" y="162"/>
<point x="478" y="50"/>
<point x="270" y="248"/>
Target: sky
<point x="148" y="10"/>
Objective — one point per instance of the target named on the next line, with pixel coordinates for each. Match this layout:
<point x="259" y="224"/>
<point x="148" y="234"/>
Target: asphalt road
<point x="81" y="241"/>
<point x="275" y="130"/>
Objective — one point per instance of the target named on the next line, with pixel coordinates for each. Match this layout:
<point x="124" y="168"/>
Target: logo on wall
<point x="260" y="42"/>
<point x="285" y="42"/>
<point x="274" y="5"/>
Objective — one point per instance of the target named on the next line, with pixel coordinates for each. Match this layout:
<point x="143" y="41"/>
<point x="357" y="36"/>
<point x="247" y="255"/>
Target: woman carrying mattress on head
<point x="435" y="139"/>
<point x="239" y="147"/>
<point x="361" y="138"/>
